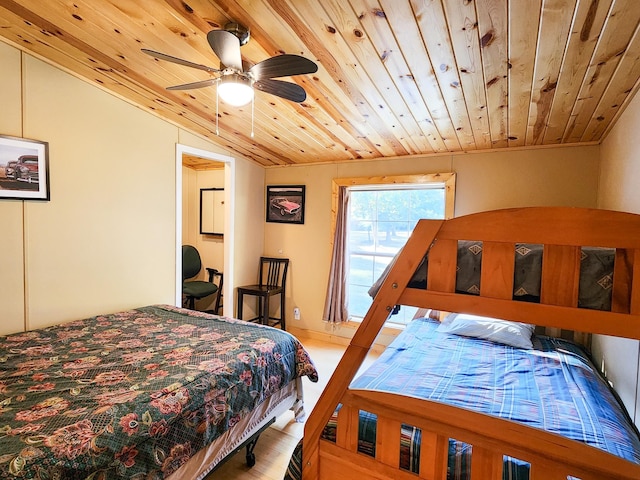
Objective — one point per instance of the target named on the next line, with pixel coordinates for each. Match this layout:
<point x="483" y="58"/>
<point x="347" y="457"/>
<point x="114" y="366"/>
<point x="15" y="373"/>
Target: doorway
<point x="225" y="166"/>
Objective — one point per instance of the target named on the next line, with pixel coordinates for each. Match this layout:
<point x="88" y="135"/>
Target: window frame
<point x="448" y="180"/>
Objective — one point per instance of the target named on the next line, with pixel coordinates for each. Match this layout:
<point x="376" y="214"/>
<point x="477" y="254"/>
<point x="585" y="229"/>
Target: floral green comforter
<point x="133" y="394"/>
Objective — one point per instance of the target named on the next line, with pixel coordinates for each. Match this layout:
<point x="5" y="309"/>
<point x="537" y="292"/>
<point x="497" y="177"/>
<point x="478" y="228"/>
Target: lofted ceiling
<point x="395" y="77"/>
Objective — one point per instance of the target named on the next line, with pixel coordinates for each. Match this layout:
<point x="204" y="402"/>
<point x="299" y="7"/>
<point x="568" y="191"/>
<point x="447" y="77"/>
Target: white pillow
<point x="515" y="334"/>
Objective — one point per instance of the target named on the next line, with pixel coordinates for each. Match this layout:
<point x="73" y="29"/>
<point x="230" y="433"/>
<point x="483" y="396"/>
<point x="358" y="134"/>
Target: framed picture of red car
<point x="24" y="169"/>
<point x="285" y="203"/>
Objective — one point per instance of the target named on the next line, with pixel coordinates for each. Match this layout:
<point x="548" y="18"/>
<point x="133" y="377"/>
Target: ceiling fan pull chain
<point x="253" y="104"/>
<point x="217" y="130"/>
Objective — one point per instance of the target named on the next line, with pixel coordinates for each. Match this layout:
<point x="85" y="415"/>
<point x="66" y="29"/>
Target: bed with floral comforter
<point x="133" y="394"/>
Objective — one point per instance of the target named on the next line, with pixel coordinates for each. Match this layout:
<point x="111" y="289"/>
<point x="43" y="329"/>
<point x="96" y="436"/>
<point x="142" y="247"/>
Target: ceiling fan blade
<point x="189" y="86"/>
<point x="283" y="66"/>
<point x="186" y="63"/>
<point x="226" y="46"/>
<point x="286" y="90"/>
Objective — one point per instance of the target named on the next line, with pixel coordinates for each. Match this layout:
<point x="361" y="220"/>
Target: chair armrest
<point x="214" y="273"/>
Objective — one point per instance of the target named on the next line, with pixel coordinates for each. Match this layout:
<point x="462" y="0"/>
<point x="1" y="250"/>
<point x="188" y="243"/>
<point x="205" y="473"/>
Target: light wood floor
<point x="276" y="444"/>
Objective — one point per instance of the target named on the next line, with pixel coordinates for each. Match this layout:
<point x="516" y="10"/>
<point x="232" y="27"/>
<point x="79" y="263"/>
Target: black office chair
<point x="197" y="289"/>
<point x="272" y="281"/>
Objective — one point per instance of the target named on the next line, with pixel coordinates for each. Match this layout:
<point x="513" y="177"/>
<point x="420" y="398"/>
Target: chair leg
<point x="191" y="303"/>
<point x="265" y="314"/>
<point x="217" y="304"/>
<point x="282" y="310"/>
<point x="240" y="303"/>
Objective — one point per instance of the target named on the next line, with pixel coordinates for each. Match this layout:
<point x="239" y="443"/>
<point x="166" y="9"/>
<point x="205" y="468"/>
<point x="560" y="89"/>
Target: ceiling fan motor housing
<point x="239" y="31"/>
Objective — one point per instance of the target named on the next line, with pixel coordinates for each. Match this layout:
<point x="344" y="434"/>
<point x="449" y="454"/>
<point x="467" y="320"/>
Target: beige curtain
<point x="335" y="307"/>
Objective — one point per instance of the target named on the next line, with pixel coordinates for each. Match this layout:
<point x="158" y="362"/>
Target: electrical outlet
<point x="296" y="313"/>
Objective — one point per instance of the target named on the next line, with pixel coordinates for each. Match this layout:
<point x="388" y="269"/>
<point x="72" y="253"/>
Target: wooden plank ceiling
<point x="395" y="77"/>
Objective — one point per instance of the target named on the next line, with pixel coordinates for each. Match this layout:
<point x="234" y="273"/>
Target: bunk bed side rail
<point x="492" y="438"/>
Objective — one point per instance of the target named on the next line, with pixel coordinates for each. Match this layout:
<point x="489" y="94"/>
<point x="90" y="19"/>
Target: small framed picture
<point x="285" y="204"/>
<point x="24" y="169"/>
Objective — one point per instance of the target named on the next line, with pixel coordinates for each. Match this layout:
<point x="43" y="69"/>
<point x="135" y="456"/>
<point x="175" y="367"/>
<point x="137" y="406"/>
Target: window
<point x="380" y="219"/>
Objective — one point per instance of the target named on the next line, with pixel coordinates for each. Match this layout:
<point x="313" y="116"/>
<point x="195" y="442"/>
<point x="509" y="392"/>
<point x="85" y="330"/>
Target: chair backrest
<point x="273" y="271"/>
<point x="191" y="262"/>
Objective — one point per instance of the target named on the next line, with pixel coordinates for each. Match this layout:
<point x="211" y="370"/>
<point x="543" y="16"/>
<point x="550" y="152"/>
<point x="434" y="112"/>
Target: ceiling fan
<point x="234" y="80"/>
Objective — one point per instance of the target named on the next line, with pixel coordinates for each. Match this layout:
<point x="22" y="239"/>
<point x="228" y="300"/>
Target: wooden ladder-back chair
<point x="272" y="281"/>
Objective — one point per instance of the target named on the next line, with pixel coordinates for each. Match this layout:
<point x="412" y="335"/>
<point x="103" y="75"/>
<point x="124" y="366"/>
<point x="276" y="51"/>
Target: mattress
<point x="134" y="394"/>
<point x="553" y="386"/>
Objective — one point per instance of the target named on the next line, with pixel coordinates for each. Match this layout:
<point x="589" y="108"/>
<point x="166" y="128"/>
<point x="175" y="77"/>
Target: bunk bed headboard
<point x="562" y="231"/>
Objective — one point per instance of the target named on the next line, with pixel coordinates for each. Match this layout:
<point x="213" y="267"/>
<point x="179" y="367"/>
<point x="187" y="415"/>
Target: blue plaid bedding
<point x="553" y="386"/>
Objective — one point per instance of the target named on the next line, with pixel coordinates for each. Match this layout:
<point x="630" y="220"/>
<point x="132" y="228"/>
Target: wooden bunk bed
<point x="562" y="232"/>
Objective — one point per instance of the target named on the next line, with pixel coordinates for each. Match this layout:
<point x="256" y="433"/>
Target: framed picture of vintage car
<point x="285" y="204"/>
<point x="24" y="169"/>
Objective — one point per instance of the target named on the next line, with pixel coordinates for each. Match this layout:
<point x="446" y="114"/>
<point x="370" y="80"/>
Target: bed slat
<point x="635" y="286"/>
<point x="498" y="265"/>
<point x="560" y="275"/>
<point x="388" y="443"/>
<point x="441" y="274"/>
<point x="433" y="456"/>
<point x="622" y="275"/>
<point x="561" y="289"/>
<point x="486" y="464"/>
<point x="347" y="429"/>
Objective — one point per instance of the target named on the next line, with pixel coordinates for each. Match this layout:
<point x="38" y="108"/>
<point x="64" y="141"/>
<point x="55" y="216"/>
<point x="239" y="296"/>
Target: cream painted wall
<point x="107" y="239"/>
<point x="552" y="176"/>
<point x="618" y="190"/>
<point x="249" y="235"/>
<point x="11" y="239"/>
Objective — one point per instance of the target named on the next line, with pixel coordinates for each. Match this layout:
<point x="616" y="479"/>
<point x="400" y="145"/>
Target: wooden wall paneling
<point x="377" y="27"/>
<point x="554" y="32"/>
<point x="355" y="80"/>
<point x="420" y="67"/>
<point x="432" y="22"/>
<point x="583" y="38"/>
<point x="463" y="28"/>
<point x="613" y="42"/>
<point x="616" y="97"/>
<point x="523" y="38"/>
<point x="379" y="85"/>
<point x="492" y="28"/>
<point x="333" y="105"/>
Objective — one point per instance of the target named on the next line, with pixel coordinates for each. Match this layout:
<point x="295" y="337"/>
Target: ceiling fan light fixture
<point x="235" y="90"/>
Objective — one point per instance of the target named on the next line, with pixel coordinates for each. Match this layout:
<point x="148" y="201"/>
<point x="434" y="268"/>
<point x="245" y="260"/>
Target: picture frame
<point x="285" y="204"/>
<point x="24" y="169"/>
